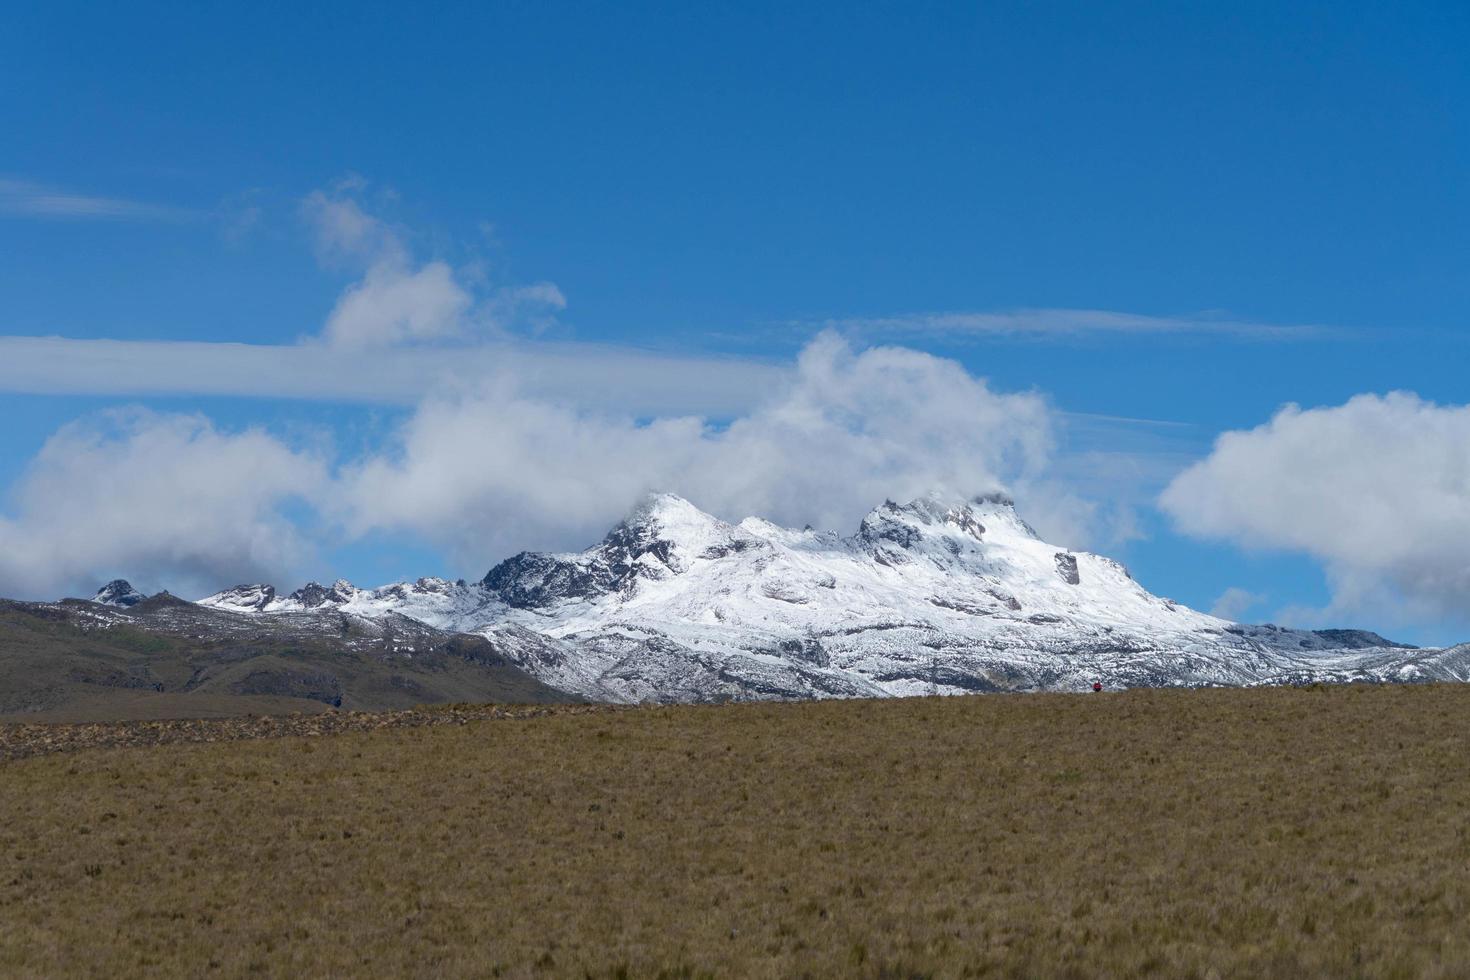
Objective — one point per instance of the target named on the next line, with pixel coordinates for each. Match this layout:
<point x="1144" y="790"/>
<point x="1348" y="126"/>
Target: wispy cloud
<point x="401" y="301"/>
<point x="24" y="198"/>
<point x="1235" y="602"/>
<point x="406" y="328"/>
<point x="1098" y="419"/>
<point x="1056" y="322"/>
<point x="590" y="375"/>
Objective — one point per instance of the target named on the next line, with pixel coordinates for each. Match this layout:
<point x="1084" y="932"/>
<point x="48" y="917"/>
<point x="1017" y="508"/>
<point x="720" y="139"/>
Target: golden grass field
<point x="1229" y="833"/>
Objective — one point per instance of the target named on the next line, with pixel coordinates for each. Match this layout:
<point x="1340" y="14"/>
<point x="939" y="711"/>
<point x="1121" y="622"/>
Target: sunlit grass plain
<point x="1287" y="833"/>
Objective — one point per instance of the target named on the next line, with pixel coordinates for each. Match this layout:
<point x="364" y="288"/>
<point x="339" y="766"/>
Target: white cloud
<point x="394" y="304"/>
<point x="401" y="301"/>
<point x="1071" y="322"/>
<point x="1235" y="602"/>
<point x="487" y="469"/>
<point x="534" y="305"/>
<point x="346" y="233"/>
<point x="492" y="471"/>
<point x="29" y="199"/>
<point x="168" y="500"/>
<point x="1377" y="489"/>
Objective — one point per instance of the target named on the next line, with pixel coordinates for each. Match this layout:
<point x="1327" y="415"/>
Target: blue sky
<point x="1267" y="200"/>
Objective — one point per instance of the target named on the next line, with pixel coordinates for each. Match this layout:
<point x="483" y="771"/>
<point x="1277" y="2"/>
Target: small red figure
<point x="1097" y="685"/>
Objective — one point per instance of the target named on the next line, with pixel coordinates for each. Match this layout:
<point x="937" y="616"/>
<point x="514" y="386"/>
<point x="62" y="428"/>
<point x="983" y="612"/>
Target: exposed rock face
<point x="244" y="598"/>
<point x="1357" y="640"/>
<point x="530" y="579"/>
<point x="939" y="595"/>
<point x="118" y="593"/>
<point x="1067" y="568"/>
<point x="312" y="595"/>
<point x="661" y="539"/>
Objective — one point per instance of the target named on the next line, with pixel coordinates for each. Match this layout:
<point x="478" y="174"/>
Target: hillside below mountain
<point x="163" y="657"/>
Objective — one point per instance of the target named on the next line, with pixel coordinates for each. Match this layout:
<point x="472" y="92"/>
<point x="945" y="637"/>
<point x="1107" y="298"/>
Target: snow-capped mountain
<point x="940" y="595"/>
<point x="118" y="592"/>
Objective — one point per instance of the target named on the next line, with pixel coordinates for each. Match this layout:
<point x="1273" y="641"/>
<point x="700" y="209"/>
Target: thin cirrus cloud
<point x="408" y="326"/>
<point x="642" y="382"/>
<point x="28" y="199"/>
<point x="405" y="327"/>
<point x="1063" y="323"/>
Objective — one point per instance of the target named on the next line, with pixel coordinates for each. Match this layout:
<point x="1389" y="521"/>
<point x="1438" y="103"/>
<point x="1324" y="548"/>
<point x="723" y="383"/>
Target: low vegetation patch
<point x="1176" y="833"/>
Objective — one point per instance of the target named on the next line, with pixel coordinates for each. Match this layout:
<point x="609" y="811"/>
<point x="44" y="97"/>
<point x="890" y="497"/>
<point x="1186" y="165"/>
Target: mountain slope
<point x="163" y="657"/>
<point x="940" y="595"/>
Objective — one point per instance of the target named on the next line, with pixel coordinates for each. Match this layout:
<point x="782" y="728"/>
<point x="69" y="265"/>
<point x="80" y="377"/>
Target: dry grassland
<point x="1266" y="833"/>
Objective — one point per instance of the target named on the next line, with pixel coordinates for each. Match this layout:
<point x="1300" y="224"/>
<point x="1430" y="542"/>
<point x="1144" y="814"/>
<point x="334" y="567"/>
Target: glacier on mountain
<point x="942" y="595"/>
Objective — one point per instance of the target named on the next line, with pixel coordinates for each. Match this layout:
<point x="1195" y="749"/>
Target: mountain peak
<point x="666" y="517"/>
<point x="941" y="514"/>
<point x="666" y="508"/>
<point x="118" y="592"/>
<point x="994" y="498"/>
<point x="1000" y="509"/>
<point x="313" y="594"/>
<point x="242" y="598"/>
<point x="661" y="537"/>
